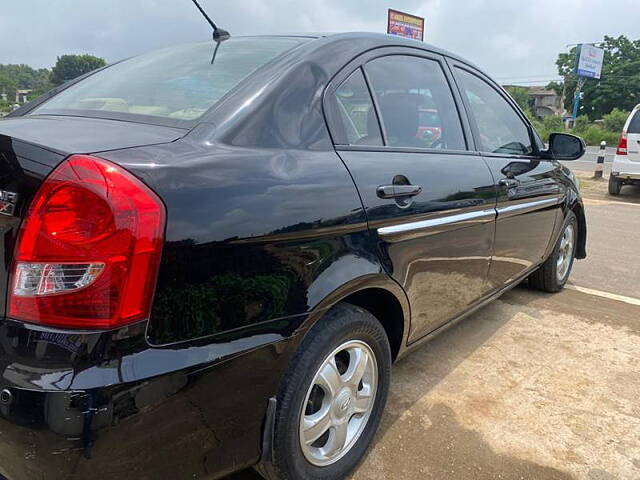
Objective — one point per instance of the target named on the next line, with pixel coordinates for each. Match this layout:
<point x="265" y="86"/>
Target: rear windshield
<point x="634" y="124"/>
<point x="177" y="83"/>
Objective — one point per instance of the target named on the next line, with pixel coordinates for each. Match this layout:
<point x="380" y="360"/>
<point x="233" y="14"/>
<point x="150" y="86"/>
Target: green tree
<point x="521" y="96"/>
<point x="23" y="77"/>
<point x="615" y="120"/>
<point x="556" y="87"/>
<point x="7" y="85"/>
<point x="619" y="85"/>
<point x="582" y="124"/>
<point x="68" y="67"/>
<point x="553" y="123"/>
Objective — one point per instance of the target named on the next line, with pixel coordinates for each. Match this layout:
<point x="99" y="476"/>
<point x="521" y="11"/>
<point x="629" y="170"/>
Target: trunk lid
<point x="31" y="147"/>
<point x="20" y="177"/>
<point x="85" y="135"/>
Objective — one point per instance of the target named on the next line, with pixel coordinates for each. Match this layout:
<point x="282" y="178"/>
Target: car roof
<point x="247" y="114"/>
<point x="382" y="39"/>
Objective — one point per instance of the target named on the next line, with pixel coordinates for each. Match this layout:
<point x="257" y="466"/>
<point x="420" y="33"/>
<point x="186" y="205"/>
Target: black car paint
<point x="262" y="208"/>
<point x="78" y="135"/>
<point x="523" y="239"/>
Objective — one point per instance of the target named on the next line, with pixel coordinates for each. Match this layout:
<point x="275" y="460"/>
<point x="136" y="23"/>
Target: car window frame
<point x="633" y="116"/>
<point x="336" y="116"/>
<point x="331" y="113"/>
<point x="455" y="64"/>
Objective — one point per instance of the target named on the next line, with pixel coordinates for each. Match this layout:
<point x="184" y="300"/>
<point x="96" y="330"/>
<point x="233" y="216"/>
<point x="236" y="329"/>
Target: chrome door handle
<point x="509" y="182"/>
<point x="395" y="191"/>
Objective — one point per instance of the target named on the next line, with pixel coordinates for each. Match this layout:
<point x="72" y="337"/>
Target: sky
<point x="515" y="41"/>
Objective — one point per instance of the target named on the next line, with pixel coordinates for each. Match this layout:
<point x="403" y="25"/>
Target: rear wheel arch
<point x="383" y="305"/>
<point x="379" y="295"/>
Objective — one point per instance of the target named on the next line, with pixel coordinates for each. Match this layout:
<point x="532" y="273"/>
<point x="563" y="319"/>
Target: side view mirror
<point x="564" y="146"/>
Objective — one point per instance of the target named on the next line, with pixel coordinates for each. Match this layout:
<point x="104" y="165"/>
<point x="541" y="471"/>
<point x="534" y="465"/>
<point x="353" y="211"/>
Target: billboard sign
<point x="405" y="25"/>
<point x="589" y="61"/>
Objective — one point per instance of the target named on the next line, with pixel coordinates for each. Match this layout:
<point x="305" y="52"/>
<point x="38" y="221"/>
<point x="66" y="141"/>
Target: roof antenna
<point x="219" y="35"/>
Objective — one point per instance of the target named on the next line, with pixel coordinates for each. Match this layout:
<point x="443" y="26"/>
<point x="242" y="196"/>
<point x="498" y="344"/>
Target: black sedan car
<point x="209" y="266"/>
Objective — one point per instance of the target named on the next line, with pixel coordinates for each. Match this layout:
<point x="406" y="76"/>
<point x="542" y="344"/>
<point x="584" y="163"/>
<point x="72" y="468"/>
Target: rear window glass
<point x="634" y="124"/>
<point x="177" y="83"/>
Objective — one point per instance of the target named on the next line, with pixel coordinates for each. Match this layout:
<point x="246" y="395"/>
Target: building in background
<point x="545" y="102"/>
<point x="542" y="102"/>
<point x="22" y="96"/>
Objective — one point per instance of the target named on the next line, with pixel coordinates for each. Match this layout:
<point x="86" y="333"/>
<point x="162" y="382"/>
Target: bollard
<point x="600" y="165"/>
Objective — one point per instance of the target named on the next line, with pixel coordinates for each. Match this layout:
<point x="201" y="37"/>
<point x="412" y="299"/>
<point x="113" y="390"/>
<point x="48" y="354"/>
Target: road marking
<point x="600" y="293"/>
<point x="595" y="201"/>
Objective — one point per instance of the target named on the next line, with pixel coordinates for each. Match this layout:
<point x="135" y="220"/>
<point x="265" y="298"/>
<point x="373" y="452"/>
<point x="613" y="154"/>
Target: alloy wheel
<point x="338" y="403"/>
<point x="565" y="252"/>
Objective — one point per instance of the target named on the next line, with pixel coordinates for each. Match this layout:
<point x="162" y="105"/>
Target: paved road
<point x="613" y="263"/>
<point x="533" y="386"/>
<point x="588" y="162"/>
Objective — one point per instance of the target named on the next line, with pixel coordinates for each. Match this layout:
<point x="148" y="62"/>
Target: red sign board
<point x="405" y="25"/>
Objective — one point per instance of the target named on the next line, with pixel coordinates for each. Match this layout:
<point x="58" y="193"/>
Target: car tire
<point x="302" y="397"/>
<point x="614" y="186"/>
<point x="553" y="274"/>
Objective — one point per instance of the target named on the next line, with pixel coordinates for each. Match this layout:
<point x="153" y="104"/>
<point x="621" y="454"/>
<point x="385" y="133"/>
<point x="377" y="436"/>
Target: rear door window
<point x="356" y="111"/>
<point x="415" y="103"/>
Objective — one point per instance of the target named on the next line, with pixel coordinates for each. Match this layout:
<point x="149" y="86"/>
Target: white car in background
<point x="626" y="164"/>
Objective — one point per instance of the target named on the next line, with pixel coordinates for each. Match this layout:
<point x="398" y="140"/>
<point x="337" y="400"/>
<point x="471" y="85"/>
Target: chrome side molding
<point x="436" y="225"/>
<point x="520" y="208"/>
<point x="432" y="226"/>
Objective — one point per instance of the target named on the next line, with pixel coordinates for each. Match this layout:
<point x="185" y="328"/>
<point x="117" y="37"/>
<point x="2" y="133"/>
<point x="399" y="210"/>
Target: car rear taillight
<point x="622" y="144"/>
<point x="88" y="250"/>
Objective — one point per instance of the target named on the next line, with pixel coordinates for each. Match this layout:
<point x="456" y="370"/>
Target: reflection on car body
<point x="277" y="227"/>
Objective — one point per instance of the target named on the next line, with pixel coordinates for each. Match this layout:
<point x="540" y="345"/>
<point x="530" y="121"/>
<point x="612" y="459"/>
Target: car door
<point x="429" y="198"/>
<point x="528" y="189"/>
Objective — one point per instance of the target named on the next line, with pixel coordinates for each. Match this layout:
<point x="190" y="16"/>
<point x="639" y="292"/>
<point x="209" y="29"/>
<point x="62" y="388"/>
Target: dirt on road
<point x="597" y="190"/>
<point x="527" y="388"/>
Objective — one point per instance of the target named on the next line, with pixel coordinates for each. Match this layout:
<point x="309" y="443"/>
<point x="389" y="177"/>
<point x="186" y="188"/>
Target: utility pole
<point x="576" y="98"/>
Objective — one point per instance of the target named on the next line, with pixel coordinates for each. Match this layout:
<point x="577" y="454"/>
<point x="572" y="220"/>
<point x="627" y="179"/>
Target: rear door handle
<point x="395" y="191"/>
<point x="509" y="182"/>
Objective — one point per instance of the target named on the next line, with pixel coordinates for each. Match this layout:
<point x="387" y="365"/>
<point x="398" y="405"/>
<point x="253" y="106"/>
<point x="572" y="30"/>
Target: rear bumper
<point x="626" y="176"/>
<point x="196" y="423"/>
<point x="625" y="169"/>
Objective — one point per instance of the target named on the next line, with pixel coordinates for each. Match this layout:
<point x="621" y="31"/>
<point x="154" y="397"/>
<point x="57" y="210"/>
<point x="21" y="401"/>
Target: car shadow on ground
<point x="449" y="450"/>
<point x="450" y="446"/>
<point x="628" y="193"/>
